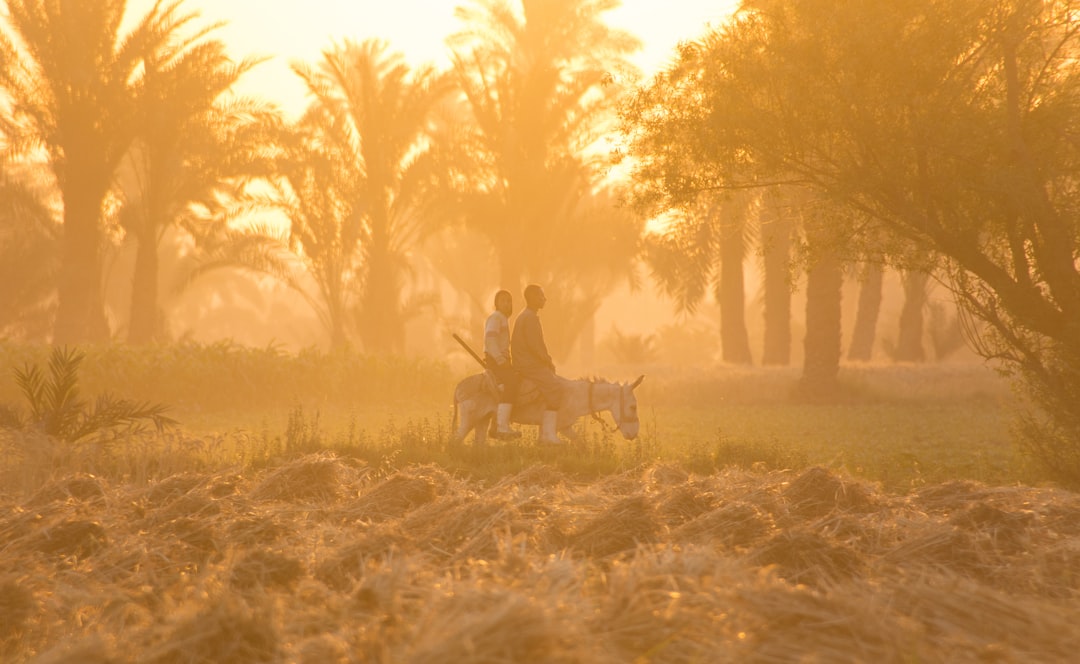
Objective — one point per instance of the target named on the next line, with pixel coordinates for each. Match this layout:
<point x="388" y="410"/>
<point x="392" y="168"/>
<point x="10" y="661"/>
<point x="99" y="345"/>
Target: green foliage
<point x="196" y="149"/>
<point x="356" y="184"/>
<point x="937" y="124"/>
<point x="57" y="409"/>
<point x="540" y="80"/>
<point x="73" y="78"/>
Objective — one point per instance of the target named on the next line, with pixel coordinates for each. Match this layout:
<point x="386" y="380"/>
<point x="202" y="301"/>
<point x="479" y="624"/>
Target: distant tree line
<point x="938" y="137"/>
<point x="137" y="138"/>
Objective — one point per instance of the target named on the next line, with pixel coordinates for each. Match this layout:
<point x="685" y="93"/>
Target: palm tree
<point x="195" y="150"/>
<point x="74" y="81"/>
<point x="316" y="196"/>
<point x="359" y="184"/>
<point x="29" y="235"/>
<point x="704" y="249"/>
<point x="538" y="77"/>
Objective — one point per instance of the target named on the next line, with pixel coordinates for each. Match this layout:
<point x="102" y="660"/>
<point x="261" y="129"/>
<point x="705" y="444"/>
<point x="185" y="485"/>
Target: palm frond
<point x="257" y="250"/>
<point x="31" y="382"/>
<point x="54" y="402"/>
<point x="109" y="413"/>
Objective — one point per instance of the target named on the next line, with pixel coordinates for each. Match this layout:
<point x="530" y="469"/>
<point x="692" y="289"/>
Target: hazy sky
<point x="288" y="30"/>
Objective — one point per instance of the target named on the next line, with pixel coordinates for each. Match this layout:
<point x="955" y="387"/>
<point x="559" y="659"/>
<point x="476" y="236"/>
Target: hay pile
<point x="324" y="560"/>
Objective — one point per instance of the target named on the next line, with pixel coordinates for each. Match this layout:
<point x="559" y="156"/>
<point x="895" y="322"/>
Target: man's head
<point x="504" y="302"/>
<point x="534" y="297"/>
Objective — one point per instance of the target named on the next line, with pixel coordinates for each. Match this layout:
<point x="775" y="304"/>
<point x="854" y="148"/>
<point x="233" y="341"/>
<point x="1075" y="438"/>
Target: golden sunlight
<point x="626" y="330"/>
<point x="284" y="31"/>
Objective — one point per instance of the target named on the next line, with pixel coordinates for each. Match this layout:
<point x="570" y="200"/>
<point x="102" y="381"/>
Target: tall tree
<point x="318" y="198"/>
<point x="824" y="284"/>
<point x="29" y="235"/>
<point x="777" y="228"/>
<point x="909" y="340"/>
<point x="704" y="249"/>
<point x="871" y="284"/>
<point x="731" y="285"/>
<point x="668" y="125"/>
<point x="948" y="124"/>
<point x="540" y="78"/>
<point x="195" y="149"/>
<point x="361" y="184"/>
<point x="73" y="80"/>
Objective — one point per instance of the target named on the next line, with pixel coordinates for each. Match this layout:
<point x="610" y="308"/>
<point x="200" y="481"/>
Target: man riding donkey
<point x="533" y="362"/>
<point x="497" y="360"/>
<point x="479" y="397"/>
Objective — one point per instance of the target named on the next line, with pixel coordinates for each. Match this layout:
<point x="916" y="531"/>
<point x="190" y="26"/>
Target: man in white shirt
<point x="498" y="361"/>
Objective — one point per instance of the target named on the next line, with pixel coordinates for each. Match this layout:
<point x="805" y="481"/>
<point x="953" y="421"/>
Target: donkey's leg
<point x="483" y="417"/>
<point x="466" y="420"/>
<point x="482" y="424"/>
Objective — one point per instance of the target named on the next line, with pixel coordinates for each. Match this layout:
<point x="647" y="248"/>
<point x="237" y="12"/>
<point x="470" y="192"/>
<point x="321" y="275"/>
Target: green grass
<point x="901" y="442"/>
<point x="900" y="425"/>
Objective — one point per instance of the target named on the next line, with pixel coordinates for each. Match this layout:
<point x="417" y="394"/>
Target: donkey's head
<point x="625" y="411"/>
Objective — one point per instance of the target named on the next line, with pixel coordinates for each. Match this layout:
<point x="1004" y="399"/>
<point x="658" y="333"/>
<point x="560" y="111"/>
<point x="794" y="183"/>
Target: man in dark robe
<point x="533" y="362"/>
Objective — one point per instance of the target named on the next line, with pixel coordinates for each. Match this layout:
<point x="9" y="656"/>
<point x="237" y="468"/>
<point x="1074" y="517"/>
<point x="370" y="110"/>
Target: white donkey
<point x="475" y="402"/>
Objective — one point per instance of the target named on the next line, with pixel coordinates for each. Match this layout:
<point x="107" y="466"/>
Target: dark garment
<point x="548" y="383"/>
<point x="531" y="357"/>
<point x="505" y="376"/>
<point x="527" y="345"/>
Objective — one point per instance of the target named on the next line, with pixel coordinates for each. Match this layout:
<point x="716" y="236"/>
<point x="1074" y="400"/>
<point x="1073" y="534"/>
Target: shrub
<point x="56" y="409"/>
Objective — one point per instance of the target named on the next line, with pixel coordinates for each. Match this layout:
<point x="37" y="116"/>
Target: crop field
<point x="297" y="516"/>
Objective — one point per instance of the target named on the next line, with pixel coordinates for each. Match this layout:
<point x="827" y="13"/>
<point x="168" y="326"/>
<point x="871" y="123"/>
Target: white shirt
<point x="497" y="337"/>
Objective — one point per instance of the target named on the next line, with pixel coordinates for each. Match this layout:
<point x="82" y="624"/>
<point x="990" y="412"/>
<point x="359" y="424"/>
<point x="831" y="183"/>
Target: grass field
<point x="321" y="520"/>
<point x="902" y="426"/>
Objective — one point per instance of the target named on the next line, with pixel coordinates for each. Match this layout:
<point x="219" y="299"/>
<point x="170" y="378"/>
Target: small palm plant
<point x="57" y="410"/>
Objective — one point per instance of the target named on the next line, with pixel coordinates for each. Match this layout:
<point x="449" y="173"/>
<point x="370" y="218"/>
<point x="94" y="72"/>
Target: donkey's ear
<point x="638" y="381"/>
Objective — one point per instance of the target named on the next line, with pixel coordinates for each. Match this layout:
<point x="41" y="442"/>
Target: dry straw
<point x="735" y="525"/>
<point x="492" y="626"/>
<point x="319" y="478"/>
<point x="395" y="496"/>
<point x="321" y="559"/>
<point x="619" y="528"/>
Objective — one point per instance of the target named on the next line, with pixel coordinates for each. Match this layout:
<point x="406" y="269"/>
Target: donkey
<point x="475" y="401"/>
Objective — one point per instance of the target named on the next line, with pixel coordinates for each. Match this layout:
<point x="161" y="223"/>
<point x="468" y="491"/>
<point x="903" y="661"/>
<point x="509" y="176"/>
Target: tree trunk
<point x="866" y="317"/>
<point x="823" y="297"/>
<point x="337" y="318"/>
<point x="381" y="327"/>
<point x="776" y="230"/>
<point x="909" y="344"/>
<point x="80" y="315"/>
<point x="145" y="318"/>
<point x="731" y="291"/>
